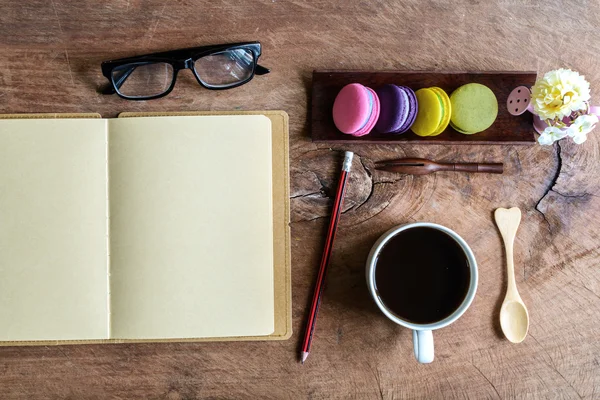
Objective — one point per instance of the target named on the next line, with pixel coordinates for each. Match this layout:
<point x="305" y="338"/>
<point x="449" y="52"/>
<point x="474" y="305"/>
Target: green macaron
<point x="474" y="108"/>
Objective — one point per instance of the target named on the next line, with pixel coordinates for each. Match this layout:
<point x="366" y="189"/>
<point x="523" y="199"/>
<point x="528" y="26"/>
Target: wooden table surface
<point x="50" y="57"/>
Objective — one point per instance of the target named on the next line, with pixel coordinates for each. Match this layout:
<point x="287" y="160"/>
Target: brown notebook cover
<point x="281" y="231"/>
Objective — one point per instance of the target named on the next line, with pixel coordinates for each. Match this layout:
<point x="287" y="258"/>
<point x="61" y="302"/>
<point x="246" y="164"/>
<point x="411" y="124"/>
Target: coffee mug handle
<point x="423" y="343"/>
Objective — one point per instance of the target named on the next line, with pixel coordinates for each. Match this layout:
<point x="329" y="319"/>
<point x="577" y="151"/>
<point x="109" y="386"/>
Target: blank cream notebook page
<point x="191" y="227"/>
<point x="53" y="230"/>
<point x="136" y="228"/>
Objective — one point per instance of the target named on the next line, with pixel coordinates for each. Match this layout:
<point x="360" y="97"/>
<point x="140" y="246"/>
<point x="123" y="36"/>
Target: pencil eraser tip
<point x="348" y="160"/>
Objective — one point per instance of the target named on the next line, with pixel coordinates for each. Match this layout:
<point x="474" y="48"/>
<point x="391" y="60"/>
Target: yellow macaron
<point x="446" y="110"/>
<point x="430" y="112"/>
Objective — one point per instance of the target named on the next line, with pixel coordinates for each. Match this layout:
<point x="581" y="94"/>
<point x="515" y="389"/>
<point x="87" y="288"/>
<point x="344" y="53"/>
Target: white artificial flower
<point x="559" y="93"/>
<point x="550" y="135"/>
<point x="583" y="125"/>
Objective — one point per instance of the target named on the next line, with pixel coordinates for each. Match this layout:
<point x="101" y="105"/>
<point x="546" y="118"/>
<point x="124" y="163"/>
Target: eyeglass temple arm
<point x="124" y="74"/>
<point x="260" y="70"/>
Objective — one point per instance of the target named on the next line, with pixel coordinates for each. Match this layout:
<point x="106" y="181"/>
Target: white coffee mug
<point x="422" y="336"/>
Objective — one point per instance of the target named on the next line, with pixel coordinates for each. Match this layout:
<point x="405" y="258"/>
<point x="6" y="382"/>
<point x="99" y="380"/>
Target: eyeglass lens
<point x="225" y="68"/>
<point x="143" y="79"/>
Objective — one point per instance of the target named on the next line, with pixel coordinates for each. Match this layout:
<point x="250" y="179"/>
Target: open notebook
<point x="129" y="229"/>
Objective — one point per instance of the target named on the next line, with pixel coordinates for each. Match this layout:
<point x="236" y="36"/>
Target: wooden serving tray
<point x="507" y="129"/>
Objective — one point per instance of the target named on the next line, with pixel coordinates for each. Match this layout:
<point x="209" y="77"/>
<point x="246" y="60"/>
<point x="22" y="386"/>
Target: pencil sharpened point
<point x="304" y="357"/>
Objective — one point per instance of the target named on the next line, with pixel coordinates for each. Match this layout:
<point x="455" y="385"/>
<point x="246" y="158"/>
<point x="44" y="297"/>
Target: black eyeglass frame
<point x="180" y="59"/>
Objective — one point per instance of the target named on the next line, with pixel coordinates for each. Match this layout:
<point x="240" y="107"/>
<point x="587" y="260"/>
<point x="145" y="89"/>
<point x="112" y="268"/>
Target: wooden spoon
<point x="514" y="318"/>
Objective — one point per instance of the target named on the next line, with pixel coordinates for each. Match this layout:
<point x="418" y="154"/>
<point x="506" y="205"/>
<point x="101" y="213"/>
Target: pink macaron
<point x="356" y="109"/>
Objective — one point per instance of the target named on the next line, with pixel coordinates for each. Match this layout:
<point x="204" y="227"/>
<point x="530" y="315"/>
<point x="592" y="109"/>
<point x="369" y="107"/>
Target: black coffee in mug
<point x="422" y="275"/>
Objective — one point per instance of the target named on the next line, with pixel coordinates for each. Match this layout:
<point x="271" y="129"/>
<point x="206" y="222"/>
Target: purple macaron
<point x="398" y="109"/>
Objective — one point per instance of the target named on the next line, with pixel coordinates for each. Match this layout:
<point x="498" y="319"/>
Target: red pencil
<point x="335" y="217"/>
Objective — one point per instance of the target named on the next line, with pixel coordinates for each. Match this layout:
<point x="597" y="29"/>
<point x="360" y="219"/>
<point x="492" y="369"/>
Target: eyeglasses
<point x="152" y="76"/>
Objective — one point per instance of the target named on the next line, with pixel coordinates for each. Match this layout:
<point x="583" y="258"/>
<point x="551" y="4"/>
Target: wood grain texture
<point x="507" y="129"/>
<point x="50" y="62"/>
